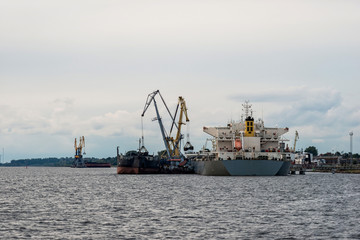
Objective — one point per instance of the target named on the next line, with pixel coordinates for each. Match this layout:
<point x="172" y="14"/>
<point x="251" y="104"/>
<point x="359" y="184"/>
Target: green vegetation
<point x="54" y="162"/>
<point x="312" y="150"/>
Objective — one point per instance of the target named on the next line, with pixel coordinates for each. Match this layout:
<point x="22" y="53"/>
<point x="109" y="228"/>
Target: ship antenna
<point x="246" y="108"/>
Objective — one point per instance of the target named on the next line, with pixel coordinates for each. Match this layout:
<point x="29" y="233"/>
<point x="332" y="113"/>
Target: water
<point x="68" y="203"/>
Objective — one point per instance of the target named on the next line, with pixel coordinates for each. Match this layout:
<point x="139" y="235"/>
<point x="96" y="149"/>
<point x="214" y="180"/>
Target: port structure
<point x="79" y="161"/>
<point x="295" y="141"/>
<point x="172" y="144"/>
<point x="351" y="134"/>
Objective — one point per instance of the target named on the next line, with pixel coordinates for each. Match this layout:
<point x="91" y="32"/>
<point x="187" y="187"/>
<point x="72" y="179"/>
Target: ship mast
<point x="247" y="109"/>
<point x="249" y="120"/>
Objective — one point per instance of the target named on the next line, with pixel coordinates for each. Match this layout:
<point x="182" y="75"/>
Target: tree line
<point x="54" y="162"/>
<point x="314" y="151"/>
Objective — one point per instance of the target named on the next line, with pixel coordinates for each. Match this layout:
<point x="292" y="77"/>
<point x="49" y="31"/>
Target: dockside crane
<point x="175" y="142"/>
<point x="149" y="100"/>
<point x="295" y="140"/>
<point x="79" y="161"/>
<point x="172" y="144"/>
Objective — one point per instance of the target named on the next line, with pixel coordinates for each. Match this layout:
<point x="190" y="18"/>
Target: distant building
<point x="330" y="159"/>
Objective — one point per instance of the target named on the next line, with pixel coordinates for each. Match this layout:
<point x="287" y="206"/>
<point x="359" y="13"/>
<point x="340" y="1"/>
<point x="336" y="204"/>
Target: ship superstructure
<point x="244" y="148"/>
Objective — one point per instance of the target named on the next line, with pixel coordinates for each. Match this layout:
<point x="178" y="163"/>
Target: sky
<point x="85" y="68"/>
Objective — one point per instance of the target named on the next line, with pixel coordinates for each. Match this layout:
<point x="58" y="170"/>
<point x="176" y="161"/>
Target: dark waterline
<point x="70" y="203"/>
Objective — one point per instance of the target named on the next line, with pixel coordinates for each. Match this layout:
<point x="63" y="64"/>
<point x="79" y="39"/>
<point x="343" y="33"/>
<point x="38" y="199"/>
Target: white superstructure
<point x="247" y="139"/>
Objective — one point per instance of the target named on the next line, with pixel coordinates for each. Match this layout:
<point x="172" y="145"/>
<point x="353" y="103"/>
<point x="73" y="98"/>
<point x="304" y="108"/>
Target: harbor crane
<point x="295" y="140"/>
<point x="79" y="161"/>
<point x="172" y="144"/>
<point x="175" y="142"/>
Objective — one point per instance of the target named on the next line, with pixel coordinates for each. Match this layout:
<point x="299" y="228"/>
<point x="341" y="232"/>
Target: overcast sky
<point x="85" y="67"/>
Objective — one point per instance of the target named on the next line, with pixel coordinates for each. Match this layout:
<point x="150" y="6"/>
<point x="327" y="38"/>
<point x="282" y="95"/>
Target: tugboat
<point x="245" y="148"/>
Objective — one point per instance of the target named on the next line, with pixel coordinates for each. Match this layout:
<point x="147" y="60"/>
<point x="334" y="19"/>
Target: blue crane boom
<point x="149" y="100"/>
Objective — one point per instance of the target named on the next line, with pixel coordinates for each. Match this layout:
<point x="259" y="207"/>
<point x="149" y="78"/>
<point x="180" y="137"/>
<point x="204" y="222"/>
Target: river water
<point x="69" y="203"/>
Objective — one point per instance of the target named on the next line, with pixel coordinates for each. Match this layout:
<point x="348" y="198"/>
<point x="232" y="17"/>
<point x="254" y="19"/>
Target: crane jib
<point x="172" y="145"/>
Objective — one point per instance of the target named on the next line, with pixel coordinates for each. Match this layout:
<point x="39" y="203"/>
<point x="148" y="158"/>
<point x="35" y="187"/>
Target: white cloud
<point x="297" y="62"/>
<point x="319" y="114"/>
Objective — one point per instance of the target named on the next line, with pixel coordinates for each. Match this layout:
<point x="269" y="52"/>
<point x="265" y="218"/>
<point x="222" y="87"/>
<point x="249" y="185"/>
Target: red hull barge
<point x="136" y="162"/>
<point x="136" y="170"/>
<point x="97" y="165"/>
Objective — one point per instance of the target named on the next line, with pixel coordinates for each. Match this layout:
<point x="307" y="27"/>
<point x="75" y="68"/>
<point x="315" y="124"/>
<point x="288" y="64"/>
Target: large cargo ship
<point x="245" y="148"/>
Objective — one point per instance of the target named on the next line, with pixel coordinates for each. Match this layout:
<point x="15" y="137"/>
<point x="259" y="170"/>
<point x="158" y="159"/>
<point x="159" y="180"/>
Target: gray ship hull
<point x="285" y="169"/>
<point x="248" y="167"/>
<point x="210" y="168"/>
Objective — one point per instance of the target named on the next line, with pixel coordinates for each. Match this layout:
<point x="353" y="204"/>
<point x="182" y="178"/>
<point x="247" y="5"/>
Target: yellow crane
<point x="172" y="144"/>
<point x="175" y="143"/>
<point x="79" y="162"/>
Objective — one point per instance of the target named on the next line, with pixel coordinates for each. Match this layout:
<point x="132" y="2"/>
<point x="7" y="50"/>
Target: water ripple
<point x="67" y="203"/>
